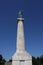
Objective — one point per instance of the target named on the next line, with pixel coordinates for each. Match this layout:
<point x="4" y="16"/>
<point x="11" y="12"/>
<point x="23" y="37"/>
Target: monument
<point x="21" y="56"/>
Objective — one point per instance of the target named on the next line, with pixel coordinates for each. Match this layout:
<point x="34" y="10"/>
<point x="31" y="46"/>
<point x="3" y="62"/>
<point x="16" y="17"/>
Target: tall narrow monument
<point x="21" y="57"/>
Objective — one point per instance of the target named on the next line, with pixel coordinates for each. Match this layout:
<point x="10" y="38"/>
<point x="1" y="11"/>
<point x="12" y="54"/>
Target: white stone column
<point x="20" y="36"/>
<point x="21" y="56"/>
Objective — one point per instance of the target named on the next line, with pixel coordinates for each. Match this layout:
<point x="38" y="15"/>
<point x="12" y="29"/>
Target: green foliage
<point x="34" y="61"/>
<point x="41" y="59"/>
<point x="10" y="60"/>
<point x="2" y="61"/>
<point x="37" y="61"/>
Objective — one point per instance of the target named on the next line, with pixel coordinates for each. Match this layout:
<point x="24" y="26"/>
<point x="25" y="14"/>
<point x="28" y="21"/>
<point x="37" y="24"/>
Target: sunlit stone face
<point x="21" y="57"/>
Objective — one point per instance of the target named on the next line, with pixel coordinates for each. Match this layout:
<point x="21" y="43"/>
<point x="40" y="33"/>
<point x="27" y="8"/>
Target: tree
<point x="34" y="61"/>
<point x="38" y="60"/>
<point x="10" y="60"/>
<point x="41" y="59"/>
<point x="2" y="61"/>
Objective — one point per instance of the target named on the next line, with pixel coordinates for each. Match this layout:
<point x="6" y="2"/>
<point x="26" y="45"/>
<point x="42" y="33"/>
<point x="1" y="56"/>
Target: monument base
<point x="21" y="58"/>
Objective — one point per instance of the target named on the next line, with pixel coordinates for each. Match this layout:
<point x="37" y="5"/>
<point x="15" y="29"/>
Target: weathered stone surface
<point x="21" y="57"/>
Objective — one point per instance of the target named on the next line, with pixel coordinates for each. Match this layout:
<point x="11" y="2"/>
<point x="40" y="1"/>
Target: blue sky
<point x="33" y="26"/>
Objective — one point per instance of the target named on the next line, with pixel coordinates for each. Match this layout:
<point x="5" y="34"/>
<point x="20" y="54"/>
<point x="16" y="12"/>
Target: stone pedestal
<point x="22" y="58"/>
